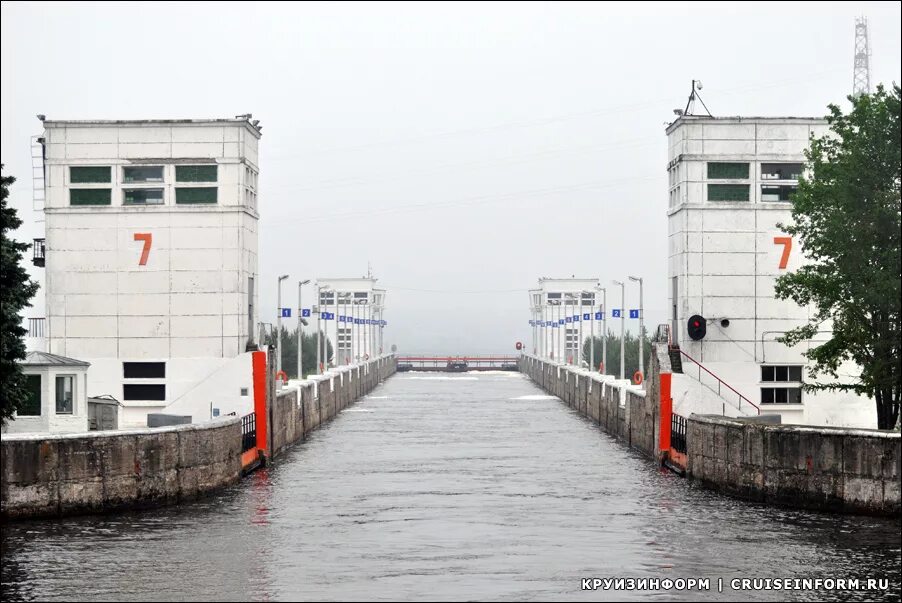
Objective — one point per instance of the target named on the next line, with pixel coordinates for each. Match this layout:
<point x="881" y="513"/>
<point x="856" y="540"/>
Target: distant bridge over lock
<point x="457" y="364"/>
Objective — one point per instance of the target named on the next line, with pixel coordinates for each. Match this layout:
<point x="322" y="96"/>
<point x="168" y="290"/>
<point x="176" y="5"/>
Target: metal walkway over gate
<point x="457" y="364"/>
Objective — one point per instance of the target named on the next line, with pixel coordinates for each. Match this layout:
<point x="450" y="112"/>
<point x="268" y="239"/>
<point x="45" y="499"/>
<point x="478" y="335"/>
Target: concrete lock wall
<point x="48" y="475"/>
<point x="303" y="406"/>
<point x="620" y="408"/>
<point x="52" y="475"/>
<point x="822" y="468"/>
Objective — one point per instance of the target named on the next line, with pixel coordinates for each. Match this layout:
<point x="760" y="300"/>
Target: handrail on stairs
<point x="720" y="382"/>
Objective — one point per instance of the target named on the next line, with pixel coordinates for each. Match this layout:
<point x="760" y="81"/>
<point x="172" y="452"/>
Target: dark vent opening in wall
<point x="144" y="370"/>
<point x="144" y="391"/>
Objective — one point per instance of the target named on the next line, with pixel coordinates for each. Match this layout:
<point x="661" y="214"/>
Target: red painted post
<point x="666" y="408"/>
<point x="259" y="366"/>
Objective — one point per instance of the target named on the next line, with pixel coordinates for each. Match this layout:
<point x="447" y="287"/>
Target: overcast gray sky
<point x="463" y="150"/>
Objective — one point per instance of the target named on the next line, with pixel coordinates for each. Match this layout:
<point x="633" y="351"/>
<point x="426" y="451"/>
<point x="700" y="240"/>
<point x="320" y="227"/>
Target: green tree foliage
<point x="846" y="215"/>
<point x="630" y="356"/>
<point x="16" y="291"/>
<point x="290" y="352"/>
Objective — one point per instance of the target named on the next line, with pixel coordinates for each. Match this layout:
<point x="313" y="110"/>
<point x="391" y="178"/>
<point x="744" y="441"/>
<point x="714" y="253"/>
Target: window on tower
<point x="195" y="195"/>
<point x="142" y="174"/>
<point x="90" y="174"/>
<point x="723" y="170"/>
<point x="195" y="173"/>
<point x="781" y="171"/>
<point x="728" y="192"/>
<point x="90" y="196"/>
<point x="778" y="192"/>
<point x="143" y="196"/>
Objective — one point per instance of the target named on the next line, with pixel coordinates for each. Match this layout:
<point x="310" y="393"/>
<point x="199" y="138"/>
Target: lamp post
<point x="301" y="322"/>
<point x="320" y="340"/>
<point x="572" y="358"/>
<point x="638" y="279"/>
<point x="335" y="348"/>
<point x="622" y="326"/>
<point x="604" y="329"/>
<point x="279" y="325"/>
<point x="353" y="329"/>
<point x="318" y="347"/>
<point x="579" y="344"/>
<point x="592" y="326"/>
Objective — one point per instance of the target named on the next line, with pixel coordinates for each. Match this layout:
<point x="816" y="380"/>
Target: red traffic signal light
<point x="519" y="345"/>
<point x="697" y="327"/>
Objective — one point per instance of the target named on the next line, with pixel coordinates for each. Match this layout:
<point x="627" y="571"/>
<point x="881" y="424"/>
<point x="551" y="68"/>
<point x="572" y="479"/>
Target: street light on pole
<point x="320" y="289"/>
<point x="579" y="344"/>
<point x="604" y="326"/>
<point x="549" y="347"/>
<point x="301" y="322"/>
<point x="566" y="337"/>
<point x="534" y="312"/>
<point x="638" y="279"/>
<point x="622" y="327"/>
<point x="279" y="325"/>
<point x="592" y="350"/>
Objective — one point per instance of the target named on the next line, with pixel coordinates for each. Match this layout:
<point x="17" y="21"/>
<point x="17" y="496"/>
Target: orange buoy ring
<point x="637" y="378"/>
<point x="283" y="375"/>
<point x="601" y="367"/>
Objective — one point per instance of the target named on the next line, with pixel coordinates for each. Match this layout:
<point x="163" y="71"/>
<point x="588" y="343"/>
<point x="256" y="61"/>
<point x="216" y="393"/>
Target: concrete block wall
<point x="54" y="475"/>
<point x="822" y="468"/>
<point x="46" y="475"/>
<point x="620" y="408"/>
<point x="303" y="406"/>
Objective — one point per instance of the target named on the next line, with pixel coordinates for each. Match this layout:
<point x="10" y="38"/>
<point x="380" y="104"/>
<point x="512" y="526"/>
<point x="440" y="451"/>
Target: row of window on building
<point x="740" y="191"/>
<point x="570" y="299"/>
<point x="139" y="185"/>
<point x="778" y="181"/>
<point x="327" y="298"/>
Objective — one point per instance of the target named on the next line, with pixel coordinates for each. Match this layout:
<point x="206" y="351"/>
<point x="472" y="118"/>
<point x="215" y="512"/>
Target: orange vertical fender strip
<point x="259" y="368"/>
<point x="666" y="407"/>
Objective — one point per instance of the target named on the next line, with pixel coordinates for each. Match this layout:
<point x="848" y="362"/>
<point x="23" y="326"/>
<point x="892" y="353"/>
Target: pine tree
<point x="16" y="291"/>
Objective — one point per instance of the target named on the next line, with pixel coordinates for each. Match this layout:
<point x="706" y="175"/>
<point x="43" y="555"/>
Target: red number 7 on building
<point x="786" y="242"/>
<point x="148" y="239"/>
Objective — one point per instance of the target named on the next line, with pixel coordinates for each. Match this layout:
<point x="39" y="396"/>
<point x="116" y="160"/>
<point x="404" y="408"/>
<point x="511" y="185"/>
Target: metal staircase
<point x="705" y="377"/>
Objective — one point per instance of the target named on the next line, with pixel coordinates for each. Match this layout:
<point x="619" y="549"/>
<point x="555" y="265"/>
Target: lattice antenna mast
<point x="861" y="78"/>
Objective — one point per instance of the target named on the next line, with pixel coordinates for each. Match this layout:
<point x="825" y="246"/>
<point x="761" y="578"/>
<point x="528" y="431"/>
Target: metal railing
<point x="720" y="385"/>
<point x="678" y="433"/>
<point x="36" y="327"/>
<point x="248" y="431"/>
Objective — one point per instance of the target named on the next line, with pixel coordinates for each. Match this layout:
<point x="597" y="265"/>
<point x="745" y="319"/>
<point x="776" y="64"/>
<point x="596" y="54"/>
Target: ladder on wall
<point x="38" y="183"/>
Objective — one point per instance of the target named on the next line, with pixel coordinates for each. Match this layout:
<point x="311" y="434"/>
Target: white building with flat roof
<point x="731" y="180"/>
<point x="563" y="316"/>
<point x="150" y="261"/>
<point x="351" y="315"/>
<point x="56" y="396"/>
